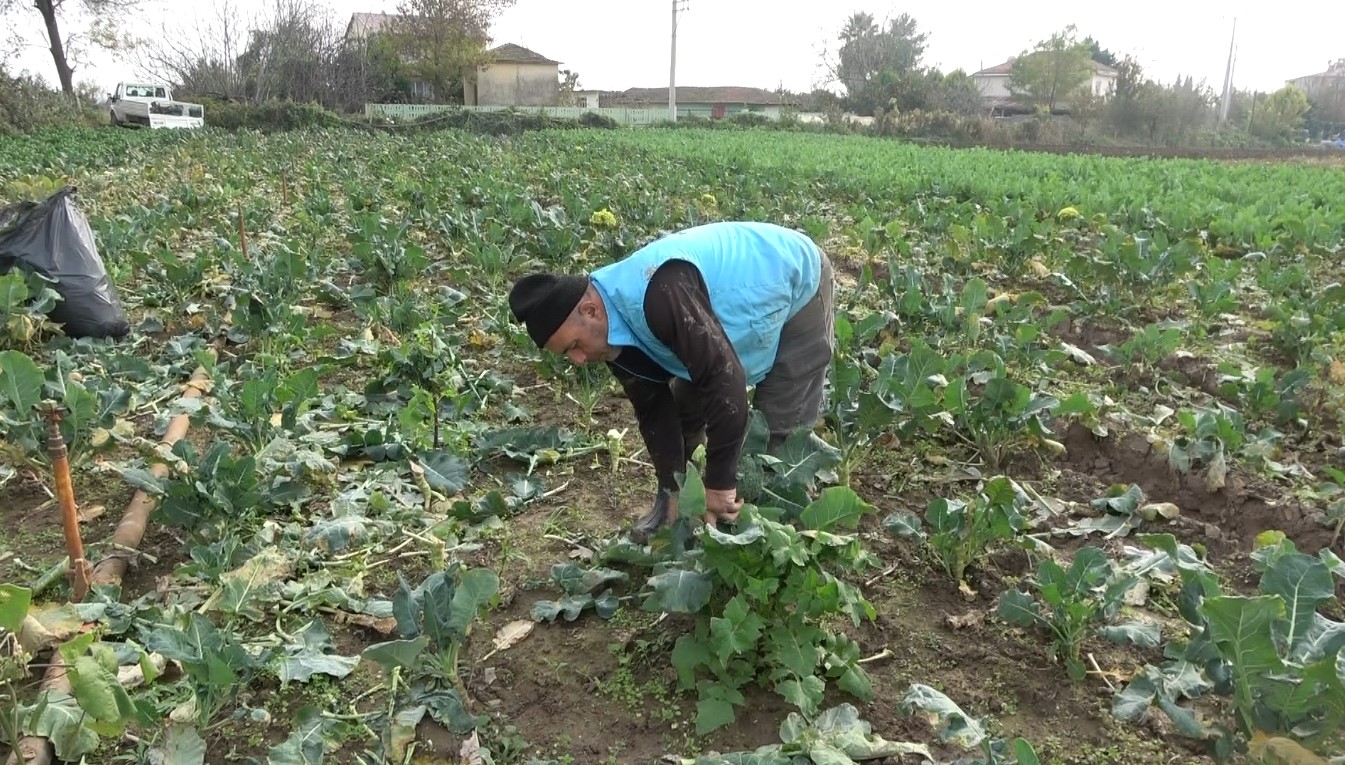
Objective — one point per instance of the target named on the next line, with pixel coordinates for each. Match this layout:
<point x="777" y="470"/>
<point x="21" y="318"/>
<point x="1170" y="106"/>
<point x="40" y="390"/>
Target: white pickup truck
<point x="152" y="106"/>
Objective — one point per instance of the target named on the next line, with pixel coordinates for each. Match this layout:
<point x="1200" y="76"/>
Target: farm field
<point x="1078" y="496"/>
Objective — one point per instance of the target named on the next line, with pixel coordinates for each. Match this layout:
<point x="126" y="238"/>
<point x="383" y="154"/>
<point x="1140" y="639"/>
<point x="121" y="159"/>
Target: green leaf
<point x="143" y="480"/>
<point x="1140" y="634"/>
<point x="309" y="656"/>
<point x="476" y="588"/>
<point x="568" y="607"/>
<point x="1024" y="753"/>
<point x="689" y="653"/>
<point x="1241" y="629"/>
<point x="437" y="605"/>
<point x="445" y="471"/>
<point x="955" y="726"/>
<point x="855" y="681"/>
<point x="712" y="714"/>
<point x="396" y="653"/>
<point x="181" y="745"/>
<point x="92" y="686"/>
<point x="305" y="746"/>
<point x="823" y="753"/>
<point x="1304" y="582"/>
<point x="14" y="601"/>
<point x="20" y="381"/>
<point x="679" y="591"/>
<point x="745" y="534"/>
<point x="904" y="524"/>
<point x="790" y="649"/>
<point x="1323" y="638"/>
<point x="1130" y="704"/>
<point x="60" y="720"/>
<point x="736" y="632"/>
<point x="837" y="506"/>
<point x="804" y="693"/>
<point x="1016" y="607"/>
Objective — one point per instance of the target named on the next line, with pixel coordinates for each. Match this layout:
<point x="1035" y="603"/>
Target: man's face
<point x="583" y="337"/>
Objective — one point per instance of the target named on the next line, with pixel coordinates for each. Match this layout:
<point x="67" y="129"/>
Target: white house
<point x="994" y="83"/>
<point x="585" y="99"/>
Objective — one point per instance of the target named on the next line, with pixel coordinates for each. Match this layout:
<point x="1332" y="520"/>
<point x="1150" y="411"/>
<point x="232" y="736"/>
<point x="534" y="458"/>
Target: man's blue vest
<point x="758" y="275"/>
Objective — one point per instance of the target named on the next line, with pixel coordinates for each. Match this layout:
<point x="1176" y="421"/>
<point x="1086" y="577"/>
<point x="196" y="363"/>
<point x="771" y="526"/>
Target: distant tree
<point x="1279" y="114"/>
<point x="957" y="92"/>
<point x="1129" y="78"/>
<point x="869" y="51"/>
<point x="1054" y="70"/>
<point x="290" y="55"/>
<point x="569" y="83"/>
<point x="445" y="39"/>
<point x="1100" y="54"/>
<point x="1084" y="108"/>
<point x="103" y="30"/>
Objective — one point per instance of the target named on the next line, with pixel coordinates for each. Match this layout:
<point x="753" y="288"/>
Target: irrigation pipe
<point x="37" y="750"/>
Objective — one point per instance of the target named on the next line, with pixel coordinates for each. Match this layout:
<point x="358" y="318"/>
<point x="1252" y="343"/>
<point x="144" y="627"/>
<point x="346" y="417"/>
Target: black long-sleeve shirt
<point x="677" y="309"/>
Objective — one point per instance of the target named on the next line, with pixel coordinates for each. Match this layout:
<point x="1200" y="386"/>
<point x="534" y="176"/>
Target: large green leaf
<point x="446" y="472"/>
<point x="837" y="506"/>
<point x="1304" y="582"/>
<point x="476" y="588"/>
<point x="180" y="745"/>
<point x="679" y="591"/>
<point x="396" y="653"/>
<point x="20" y="381"/>
<point x="1241" y="628"/>
<point x="736" y="632"/>
<point x="1141" y="634"/>
<point x="62" y="722"/>
<point x="1017" y="607"/>
<point x="955" y="726"/>
<point x="14" y="602"/>
<point x="310" y="655"/>
<point x="804" y="693"/>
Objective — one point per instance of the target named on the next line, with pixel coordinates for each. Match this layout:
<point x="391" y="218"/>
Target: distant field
<point x="1082" y="504"/>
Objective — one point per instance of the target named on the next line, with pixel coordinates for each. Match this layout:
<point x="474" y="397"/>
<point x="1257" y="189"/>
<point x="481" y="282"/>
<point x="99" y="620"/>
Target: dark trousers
<point x="790" y="396"/>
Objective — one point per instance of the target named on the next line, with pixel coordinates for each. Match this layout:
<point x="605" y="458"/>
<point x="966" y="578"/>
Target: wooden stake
<point x="242" y="232"/>
<point x="80" y="571"/>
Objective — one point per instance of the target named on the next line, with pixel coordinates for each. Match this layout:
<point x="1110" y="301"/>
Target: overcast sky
<point x="617" y="44"/>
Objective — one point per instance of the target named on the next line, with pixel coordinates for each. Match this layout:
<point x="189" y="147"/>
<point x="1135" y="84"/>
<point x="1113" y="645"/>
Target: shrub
<point x="267" y="116"/>
<point x="26" y="104"/>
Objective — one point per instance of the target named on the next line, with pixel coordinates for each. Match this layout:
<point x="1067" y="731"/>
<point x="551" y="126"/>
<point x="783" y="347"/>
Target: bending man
<point x="686" y="324"/>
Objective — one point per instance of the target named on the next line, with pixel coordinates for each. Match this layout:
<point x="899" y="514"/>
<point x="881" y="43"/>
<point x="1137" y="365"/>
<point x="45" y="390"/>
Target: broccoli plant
<point x="1274" y="655"/>
<point x="767" y="598"/>
<point x="1072" y="602"/>
<point x="962" y="530"/>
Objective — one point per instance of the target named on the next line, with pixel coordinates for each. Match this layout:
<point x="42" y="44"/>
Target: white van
<point x="152" y="105"/>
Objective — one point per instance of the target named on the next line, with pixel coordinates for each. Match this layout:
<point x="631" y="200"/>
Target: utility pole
<point x="677" y="5"/>
<point x="1228" y="78"/>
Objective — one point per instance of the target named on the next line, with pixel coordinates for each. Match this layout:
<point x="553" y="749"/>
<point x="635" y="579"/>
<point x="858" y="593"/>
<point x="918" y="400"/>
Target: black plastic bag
<point x="53" y="238"/>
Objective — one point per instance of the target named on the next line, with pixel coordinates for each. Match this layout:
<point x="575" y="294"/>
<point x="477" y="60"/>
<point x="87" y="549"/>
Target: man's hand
<point x="721" y="505"/>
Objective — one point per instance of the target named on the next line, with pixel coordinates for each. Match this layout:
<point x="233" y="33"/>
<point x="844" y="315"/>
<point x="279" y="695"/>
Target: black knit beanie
<point x="544" y="301"/>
